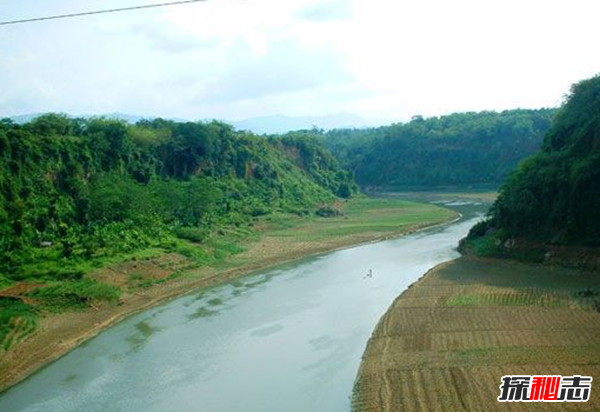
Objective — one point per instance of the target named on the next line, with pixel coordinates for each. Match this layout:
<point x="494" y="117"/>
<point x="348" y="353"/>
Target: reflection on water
<point x="288" y="339"/>
<point x="215" y="302"/>
<point x="202" y="312"/>
<point x="143" y="330"/>
<point x="267" y="330"/>
<point x="258" y="280"/>
<point x="71" y="377"/>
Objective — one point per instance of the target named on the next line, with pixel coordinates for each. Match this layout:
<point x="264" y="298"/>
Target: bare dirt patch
<point x="19" y="291"/>
<point x="153" y="269"/>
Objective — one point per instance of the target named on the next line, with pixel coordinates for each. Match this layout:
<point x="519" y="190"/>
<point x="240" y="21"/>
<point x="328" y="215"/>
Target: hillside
<point x="461" y="149"/>
<point x="552" y="198"/>
<point x="74" y="193"/>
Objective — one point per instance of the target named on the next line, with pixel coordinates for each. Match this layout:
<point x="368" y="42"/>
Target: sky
<point x="236" y="59"/>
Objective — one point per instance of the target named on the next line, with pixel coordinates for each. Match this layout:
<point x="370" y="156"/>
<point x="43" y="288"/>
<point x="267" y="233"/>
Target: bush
<point x="328" y="211"/>
<point x="195" y="234"/>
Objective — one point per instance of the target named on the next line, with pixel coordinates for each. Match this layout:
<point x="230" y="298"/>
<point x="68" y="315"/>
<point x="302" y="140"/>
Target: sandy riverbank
<point x="447" y="340"/>
<point x="59" y="333"/>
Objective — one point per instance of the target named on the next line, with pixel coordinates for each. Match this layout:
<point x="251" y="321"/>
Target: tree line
<point x="457" y="150"/>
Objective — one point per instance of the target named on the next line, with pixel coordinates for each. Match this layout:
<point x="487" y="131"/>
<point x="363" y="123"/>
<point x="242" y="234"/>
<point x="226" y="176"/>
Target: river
<point x="286" y="339"/>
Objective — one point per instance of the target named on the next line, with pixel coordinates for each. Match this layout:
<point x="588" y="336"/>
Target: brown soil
<point x="151" y="269"/>
<point x="19" y="291"/>
<point x="446" y="341"/>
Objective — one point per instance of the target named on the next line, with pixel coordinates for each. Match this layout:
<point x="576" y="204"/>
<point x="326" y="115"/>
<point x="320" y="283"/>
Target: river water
<point x="286" y="339"/>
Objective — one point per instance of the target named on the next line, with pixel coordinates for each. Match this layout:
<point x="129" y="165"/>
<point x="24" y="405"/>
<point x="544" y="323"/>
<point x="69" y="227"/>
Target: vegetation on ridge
<point x="553" y="197"/>
<point x="457" y="150"/>
<point x="75" y="194"/>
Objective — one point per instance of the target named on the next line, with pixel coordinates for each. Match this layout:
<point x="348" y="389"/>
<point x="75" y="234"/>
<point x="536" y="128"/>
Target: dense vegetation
<point x="462" y="149"/>
<point x="553" y="197"/>
<point x="74" y="192"/>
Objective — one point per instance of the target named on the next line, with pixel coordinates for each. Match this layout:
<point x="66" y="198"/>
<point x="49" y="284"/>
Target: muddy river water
<point x="286" y="339"/>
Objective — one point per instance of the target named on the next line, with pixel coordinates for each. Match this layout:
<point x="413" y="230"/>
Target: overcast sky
<point x="234" y="59"/>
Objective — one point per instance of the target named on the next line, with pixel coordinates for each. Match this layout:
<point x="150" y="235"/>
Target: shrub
<point x="328" y="211"/>
<point x="195" y="234"/>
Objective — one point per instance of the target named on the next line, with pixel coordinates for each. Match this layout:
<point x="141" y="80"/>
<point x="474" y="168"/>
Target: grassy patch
<point x="364" y="215"/>
<point x="17" y="320"/>
<point x="138" y="280"/>
<point x="4" y="282"/>
<point x="75" y="294"/>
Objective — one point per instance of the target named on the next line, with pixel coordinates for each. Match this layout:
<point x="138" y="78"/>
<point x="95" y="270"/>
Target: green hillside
<point x="553" y="197"/>
<point x="74" y="190"/>
<point x="461" y="149"/>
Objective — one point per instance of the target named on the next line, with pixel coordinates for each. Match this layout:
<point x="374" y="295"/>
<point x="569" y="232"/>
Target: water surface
<point x="287" y="339"/>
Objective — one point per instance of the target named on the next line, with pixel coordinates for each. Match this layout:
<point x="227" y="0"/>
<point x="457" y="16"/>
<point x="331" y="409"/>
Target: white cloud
<point x="237" y="59"/>
<point x="327" y="11"/>
<point x="280" y="69"/>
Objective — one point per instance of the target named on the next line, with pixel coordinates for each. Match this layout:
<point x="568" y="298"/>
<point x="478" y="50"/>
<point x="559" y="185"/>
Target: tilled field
<point x="446" y="342"/>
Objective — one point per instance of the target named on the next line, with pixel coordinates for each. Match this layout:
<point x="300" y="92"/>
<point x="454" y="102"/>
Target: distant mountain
<point x="261" y="125"/>
<point x="26" y="118"/>
<point x="282" y="124"/>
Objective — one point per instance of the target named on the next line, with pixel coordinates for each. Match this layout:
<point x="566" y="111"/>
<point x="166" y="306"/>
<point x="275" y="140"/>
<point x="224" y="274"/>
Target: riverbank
<point x="150" y="281"/>
<point x="446" y="341"/>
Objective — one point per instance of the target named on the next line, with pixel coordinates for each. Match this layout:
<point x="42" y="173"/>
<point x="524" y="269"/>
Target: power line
<point x="89" y="13"/>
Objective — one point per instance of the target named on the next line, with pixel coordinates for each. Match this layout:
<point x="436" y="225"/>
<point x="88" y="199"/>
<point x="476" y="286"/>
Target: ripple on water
<point x="266" y="330"/>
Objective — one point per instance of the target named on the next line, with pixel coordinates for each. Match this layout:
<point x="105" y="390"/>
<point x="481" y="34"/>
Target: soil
<point x="445" y="343"/>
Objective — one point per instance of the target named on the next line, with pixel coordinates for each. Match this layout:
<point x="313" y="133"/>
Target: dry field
<point x="445" y="342"/>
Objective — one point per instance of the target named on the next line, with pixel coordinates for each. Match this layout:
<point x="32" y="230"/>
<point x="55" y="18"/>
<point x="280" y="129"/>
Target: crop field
<point x="445" y="342"/>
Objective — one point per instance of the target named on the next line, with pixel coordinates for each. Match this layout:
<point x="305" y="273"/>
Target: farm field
<point x="446" y="341"/>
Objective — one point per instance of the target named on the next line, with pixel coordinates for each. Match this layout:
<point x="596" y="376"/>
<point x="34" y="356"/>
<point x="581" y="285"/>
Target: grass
<point x="55" y="267"/>
<point x="17" y="320"/>
<point x="475" y="195"/>
<point x="60" y="296"/>
<point x="285" y="237"/>
<point x="360" y="216"/>
<point x="4" y="282"/>
<point x="447" y="340"/>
